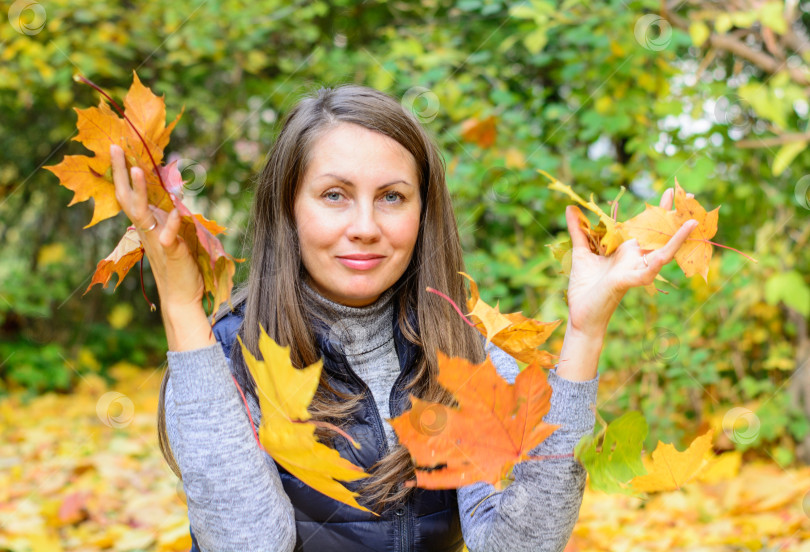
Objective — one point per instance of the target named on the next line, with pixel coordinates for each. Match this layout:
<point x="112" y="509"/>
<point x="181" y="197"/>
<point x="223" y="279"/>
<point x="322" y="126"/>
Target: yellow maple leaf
<point x="604" y="239"/>
<point x="490" y="318"/>
<point x="610" y="234"/>
<point x="670" y="469"/>
<point x="721" y="468"/>
<point x="655" y="226"/>
<point x="284" y="393"/>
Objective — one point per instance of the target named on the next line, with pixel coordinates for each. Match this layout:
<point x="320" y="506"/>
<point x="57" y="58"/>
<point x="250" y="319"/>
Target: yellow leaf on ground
<point x="670" y="469"/>
<point x="722" y="467"/>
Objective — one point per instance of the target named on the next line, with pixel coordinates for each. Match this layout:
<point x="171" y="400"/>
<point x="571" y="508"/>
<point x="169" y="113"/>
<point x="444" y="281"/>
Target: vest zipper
<point x="403" y="511"/>
<point x="403" y="529"/>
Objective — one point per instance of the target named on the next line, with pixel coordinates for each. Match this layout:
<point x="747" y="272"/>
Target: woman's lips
<point x="360" y="264"/>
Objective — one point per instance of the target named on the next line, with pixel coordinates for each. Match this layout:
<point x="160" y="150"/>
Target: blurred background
<point x="602" y="95"/>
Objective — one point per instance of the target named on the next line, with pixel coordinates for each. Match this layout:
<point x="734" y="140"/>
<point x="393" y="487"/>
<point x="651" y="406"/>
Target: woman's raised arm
<point x="598" y="284"/>
<point x="179" y="282"/>
<point x="234" y="493"/>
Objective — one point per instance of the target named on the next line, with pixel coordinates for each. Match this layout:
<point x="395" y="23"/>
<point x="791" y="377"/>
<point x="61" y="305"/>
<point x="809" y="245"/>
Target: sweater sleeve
<point x="234" y="493"/>
<point x="539" y="509"/>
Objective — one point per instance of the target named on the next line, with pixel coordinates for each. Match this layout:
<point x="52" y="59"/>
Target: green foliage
<point x="600" y="94"/>
<point x="613" y="456"/>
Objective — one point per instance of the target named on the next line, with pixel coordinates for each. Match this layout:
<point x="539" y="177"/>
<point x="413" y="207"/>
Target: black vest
<point x="428" y="521"/>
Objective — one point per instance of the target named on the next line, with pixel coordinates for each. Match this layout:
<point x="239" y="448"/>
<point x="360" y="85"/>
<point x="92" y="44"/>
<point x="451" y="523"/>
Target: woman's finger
<point x="666" y="199"/>
<point x="123" y="193"/>
<point x="578" y="237"/>
<point x="140" y="203"/>
<point x="168" y="235"/>
<point x="663" y="255"/>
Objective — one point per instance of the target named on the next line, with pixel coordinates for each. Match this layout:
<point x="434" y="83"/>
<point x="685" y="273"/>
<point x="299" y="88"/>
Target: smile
<point x="357" y="262"/>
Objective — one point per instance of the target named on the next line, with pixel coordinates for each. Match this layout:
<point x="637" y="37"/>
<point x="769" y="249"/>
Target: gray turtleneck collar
<point x="356" y="330"/>
<point x="365" y="335"/>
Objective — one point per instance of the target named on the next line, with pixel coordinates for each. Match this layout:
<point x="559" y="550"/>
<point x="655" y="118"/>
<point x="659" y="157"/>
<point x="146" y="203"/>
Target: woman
<point x="351" y="221"/>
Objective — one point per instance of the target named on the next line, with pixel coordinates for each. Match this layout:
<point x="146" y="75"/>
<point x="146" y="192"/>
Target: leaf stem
<point x="252" y="427"/>
<point x="458" y="310"/>
<point x="552" y="456"/>
<point x="327" y="425"/>
<point x="729" y="247"/>
<point x="121" y="112"/>
<point x="143" y="289"/>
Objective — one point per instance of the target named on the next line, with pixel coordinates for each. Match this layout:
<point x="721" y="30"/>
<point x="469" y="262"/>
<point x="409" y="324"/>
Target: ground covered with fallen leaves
<point x="83" y="472"/>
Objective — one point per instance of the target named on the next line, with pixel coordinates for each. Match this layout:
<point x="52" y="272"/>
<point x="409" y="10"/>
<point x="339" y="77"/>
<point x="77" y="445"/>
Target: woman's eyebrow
<point x="350" y="183"/>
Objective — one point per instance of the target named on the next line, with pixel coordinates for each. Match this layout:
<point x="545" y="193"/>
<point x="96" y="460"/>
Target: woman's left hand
<point x="597" y="284"/>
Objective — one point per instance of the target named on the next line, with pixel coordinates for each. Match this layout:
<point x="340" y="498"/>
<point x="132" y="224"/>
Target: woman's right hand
<point x="178" y="279"/>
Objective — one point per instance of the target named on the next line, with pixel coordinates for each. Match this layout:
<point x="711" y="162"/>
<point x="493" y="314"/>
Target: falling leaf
<point x="655" y="226"/>
<point x="125" y="255"/>
<point x="494" y="427"/>
<point x="516" y="334"/>
<point x="613" y="456"/>
<point x="490" y="318"/>
<point x="670" y="469"/>
<point x="284" y="393"/>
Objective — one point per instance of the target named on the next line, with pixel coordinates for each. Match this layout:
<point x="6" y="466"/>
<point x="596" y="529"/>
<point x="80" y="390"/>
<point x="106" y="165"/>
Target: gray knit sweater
<point x="234" y="493"/>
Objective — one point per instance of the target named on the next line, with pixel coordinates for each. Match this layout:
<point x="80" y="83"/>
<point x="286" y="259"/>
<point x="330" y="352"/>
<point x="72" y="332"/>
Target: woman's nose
<point x="363" y="224"/>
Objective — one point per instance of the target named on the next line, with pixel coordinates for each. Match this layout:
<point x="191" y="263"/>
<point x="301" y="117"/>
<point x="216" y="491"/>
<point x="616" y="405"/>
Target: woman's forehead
<point x="356" y="153"/>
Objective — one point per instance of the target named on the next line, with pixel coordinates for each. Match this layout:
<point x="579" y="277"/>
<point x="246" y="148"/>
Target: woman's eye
<point x="390" y="197"/>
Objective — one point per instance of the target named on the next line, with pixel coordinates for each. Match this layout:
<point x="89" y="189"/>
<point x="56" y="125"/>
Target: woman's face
<point x="359" y="198"/>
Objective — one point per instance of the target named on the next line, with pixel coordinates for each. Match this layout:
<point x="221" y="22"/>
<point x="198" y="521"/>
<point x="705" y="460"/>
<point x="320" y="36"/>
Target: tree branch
<point x="738" y="48"/>
<point x="779" y="140"/>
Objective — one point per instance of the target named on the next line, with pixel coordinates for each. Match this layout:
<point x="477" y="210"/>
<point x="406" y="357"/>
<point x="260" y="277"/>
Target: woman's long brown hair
<point x="273" y="296"/>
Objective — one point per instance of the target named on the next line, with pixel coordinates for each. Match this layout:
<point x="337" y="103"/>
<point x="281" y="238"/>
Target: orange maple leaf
<point x="125" y="255"/>
<point x="84" y="176"/>
<point x="514" y="333"/>
<point x="99" y="128"/>
<point x="655" y="226"/>
<point x="494" y="427"/>
<point x="143" y="135"/>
